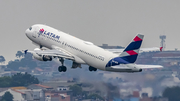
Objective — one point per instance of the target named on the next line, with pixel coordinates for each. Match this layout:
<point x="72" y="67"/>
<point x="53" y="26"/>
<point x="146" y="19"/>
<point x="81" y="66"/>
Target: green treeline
<point x="7" y="97"/>
<point x="25" y="62"/>
<point x="18" y="79"/>
<point x="22" y="61"/>
<point x="172" y="93"/>
<point x="77" y="91"/>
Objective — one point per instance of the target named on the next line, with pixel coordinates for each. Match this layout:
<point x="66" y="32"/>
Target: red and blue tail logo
<point x="130" y="53"/>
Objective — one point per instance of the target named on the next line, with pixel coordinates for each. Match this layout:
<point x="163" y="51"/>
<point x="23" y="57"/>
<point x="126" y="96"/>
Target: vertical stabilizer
<point x="130" y="53"/>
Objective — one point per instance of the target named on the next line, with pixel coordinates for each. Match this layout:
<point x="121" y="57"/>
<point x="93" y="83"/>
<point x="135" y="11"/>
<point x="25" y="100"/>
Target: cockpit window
<point x="30" y="28"/>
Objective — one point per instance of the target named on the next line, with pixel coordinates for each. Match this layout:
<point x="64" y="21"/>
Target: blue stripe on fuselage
<point x="116" y="61"/>
<point x="130" y="59"/>
<point x="122" y="60"/>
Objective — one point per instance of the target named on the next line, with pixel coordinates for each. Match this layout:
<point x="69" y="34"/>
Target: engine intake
<point x="47" y="58"/>
<point x="140" y="70"/>
<point x="42" y="58"/>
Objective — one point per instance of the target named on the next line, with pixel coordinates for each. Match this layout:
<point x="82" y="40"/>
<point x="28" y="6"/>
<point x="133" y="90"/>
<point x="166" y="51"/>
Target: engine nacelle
<point x="47" y="58"/>
<point x="42" y="58"/>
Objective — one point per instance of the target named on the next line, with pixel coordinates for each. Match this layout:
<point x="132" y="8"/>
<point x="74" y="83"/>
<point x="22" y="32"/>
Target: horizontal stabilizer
<point x="148" y="66"/>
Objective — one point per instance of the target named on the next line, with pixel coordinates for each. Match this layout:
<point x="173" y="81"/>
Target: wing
<point x="52" y="53"/>
<point x="118" y="51"/>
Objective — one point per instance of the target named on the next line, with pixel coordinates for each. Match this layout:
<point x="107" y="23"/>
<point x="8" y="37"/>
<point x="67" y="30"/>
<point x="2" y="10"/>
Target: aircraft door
<point x="35" y="34"/>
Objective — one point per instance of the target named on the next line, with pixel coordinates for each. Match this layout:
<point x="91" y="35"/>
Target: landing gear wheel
<point x="92" y="68"/>
<point x="62" y="68"/>
<point x="95" y="69"/>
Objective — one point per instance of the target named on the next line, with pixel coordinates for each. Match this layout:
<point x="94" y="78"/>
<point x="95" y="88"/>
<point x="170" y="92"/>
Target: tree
<point x="19" y="54"/>
<point x="5" y="81"/>
<point x="95" y="96"/>
<point x="3" y="66"/>
<point x="7" y="97"/>
<point x="27" y="61"/>
<point x="172" y="93"/>
<point x="112" y="91"/>
<point x="14" y="65"/>
<point x="2" y="59"/>
<point x="26" y="79"/>
<point x="18" y="79"/>
<point x="77" y="90"/>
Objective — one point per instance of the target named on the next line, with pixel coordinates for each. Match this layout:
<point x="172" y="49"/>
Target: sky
<point x="113" y="22"/>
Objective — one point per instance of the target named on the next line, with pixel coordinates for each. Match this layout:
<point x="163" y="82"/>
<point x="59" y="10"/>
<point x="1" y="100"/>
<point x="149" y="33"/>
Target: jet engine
<point x="42" y="57"/>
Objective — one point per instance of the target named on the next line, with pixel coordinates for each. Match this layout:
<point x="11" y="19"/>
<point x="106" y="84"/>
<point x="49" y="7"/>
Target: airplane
<point x="65" y="46"/>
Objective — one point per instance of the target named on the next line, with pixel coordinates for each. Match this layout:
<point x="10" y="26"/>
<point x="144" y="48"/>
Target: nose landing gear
<point x="92" y="68"/>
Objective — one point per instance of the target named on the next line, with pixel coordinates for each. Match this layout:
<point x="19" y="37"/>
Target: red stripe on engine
<point x="131" y="52"/>
<point x="137" y="39"/>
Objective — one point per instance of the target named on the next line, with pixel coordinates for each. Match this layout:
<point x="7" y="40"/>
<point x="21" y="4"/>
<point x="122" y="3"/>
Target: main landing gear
<point x="92" y="68"/>
<point x="62" y="68"/>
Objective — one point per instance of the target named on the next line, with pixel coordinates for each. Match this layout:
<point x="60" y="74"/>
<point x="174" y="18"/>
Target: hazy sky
<point x="114" y="22"/>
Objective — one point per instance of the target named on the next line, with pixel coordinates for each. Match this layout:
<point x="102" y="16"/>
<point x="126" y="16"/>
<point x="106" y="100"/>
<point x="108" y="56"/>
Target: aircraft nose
<point x="26" y="32"/>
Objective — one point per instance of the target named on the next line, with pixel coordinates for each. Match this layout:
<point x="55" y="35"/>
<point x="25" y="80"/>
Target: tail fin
<point x="130" y="53"/>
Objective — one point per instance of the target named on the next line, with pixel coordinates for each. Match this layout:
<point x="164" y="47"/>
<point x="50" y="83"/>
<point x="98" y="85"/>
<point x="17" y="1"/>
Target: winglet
<point x="25" y="51"/>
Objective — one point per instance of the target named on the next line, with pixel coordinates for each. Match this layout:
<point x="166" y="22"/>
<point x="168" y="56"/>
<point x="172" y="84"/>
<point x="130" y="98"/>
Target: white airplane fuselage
<point x="84" y="52"/>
